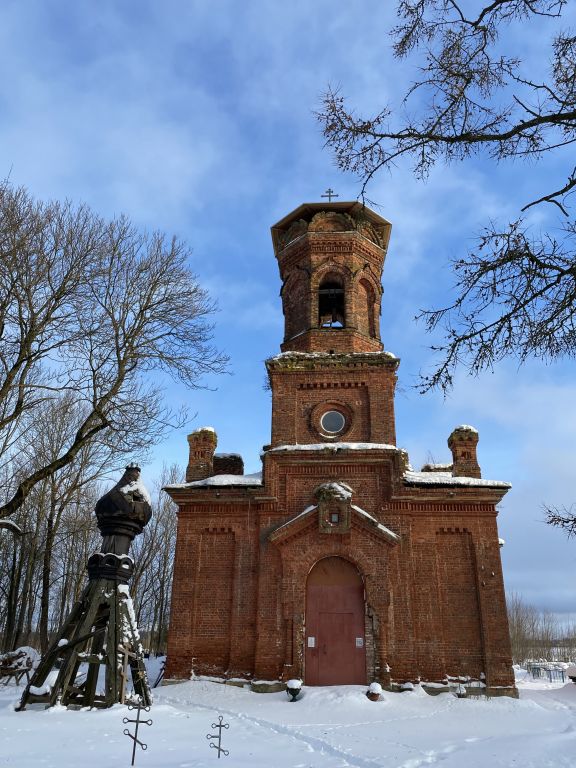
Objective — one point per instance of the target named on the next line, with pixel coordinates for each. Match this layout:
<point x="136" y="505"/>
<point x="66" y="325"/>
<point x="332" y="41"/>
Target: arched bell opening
<point x="366" y="312"/>
<point x="331" y="303"/>
<point x="335" y="643"/>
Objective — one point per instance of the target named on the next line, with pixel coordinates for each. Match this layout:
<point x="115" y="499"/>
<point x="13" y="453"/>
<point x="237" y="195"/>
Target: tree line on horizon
<point x="538" y="635"/>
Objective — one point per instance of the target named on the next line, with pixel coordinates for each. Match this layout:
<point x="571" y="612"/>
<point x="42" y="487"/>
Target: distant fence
<point x="540" y="670"/>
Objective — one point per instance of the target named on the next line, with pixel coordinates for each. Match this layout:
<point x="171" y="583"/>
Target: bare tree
<point x="54" y="498"/>
<point x="534" y="634"/>
<point x="77" y="539"/>
<point x="48" y="551"/>
<point x="43" y="577"/>
<point x="98" y="311"/>
<point x="516" y="291"/>
<point x="153" y="553"/>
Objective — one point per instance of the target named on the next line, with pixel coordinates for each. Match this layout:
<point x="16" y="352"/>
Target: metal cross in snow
<point x="218" y="736"/>
<point x="330" y="194"/>
<point x="138" y="722"/>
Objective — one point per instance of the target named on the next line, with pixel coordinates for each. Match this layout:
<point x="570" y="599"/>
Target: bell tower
<point x="332" y="381"/>
<point x="331" y="257"/>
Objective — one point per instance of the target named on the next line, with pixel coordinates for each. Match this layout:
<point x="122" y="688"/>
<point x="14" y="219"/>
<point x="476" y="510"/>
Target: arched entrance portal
<point x="335" y="642"/>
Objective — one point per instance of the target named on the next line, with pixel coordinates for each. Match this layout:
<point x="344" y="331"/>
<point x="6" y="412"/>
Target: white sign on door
<point x="311" y="642"/>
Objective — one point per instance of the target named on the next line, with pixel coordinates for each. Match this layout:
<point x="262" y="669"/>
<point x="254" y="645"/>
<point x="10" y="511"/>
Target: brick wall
<point x="360" y="386"/>
<point x="434" y="601"/>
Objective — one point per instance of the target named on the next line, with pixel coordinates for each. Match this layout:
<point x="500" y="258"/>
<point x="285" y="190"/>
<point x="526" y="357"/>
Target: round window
<point x="332" y="422"/>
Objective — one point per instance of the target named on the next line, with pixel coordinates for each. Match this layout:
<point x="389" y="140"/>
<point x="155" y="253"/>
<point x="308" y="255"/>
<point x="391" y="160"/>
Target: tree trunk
<point x="46" y="574"/>
<point x="12" y="600"/>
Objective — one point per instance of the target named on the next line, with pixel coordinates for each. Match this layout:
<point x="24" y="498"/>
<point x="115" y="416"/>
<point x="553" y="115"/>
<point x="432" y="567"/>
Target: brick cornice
<point x="298" y="362"/>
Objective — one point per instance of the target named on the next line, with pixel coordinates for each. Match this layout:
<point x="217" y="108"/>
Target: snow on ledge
<point x="219" y="481"/>
<point x="445" y="478"/>
<point x="333" y="447"/>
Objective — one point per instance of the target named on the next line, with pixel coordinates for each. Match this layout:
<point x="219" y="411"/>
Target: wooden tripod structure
<point x="99" y="635"/>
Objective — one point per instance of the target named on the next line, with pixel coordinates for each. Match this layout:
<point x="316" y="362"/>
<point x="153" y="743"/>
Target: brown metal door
<point x="334" y="640"/>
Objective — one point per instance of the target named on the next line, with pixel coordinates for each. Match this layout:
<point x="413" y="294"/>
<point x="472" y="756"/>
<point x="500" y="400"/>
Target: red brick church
<point x="337" y="564"/>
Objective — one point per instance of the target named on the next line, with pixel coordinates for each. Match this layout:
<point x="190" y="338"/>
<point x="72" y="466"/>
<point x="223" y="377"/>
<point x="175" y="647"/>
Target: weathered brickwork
<point x="228" y="464"/>
<point x="303" y="388"/>
<point x="425" y="544"/>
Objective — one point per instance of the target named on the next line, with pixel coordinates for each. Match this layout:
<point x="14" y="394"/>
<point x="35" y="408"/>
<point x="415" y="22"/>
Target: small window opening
<point x="331" y="305"/>
<point x="334" y="518"/>
<point x="332" y="422"/>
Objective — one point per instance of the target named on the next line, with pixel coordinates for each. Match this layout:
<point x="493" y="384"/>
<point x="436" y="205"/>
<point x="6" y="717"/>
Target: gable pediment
<point x="310" y="523"/>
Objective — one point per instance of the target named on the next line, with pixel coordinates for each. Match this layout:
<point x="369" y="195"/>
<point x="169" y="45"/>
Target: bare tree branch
<point x="516" y="291"/>
<point x="562" y="518"/>
<point x="91" y="308"/>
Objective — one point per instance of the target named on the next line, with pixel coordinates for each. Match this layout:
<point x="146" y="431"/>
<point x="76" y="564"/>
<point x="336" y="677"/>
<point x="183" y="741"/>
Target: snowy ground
<point x="337" y="727"/>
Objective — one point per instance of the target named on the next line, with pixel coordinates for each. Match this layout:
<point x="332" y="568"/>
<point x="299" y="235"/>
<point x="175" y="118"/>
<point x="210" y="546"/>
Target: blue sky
<point x="196" y="118"/>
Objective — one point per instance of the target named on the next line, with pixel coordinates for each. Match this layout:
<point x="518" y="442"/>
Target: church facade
<point x="339" y="563"/>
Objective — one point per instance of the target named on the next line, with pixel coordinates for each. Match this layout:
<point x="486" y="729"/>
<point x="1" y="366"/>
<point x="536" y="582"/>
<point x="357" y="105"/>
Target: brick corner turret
<point x="202" y="443"/>
<point x="462" y="442"/>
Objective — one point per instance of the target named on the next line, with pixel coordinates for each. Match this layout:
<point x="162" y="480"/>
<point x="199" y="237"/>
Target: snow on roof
<point x="228" y="455"/>
<point x="332" y="446"/>
<point x="467" y="427"/>
<point x="378" y="525"/>
<point x="445" y="478"/>
<point x="218" y="481"/>
<point x="437" y="468"/>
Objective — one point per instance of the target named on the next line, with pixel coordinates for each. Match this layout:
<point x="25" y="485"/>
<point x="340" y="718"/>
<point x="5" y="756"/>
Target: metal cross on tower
<point x="330" y="194"/>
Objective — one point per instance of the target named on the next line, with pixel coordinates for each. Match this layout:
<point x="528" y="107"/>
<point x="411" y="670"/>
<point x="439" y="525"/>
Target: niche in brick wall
<point x="459" y="603"/>
<point x="213" y="603"/>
